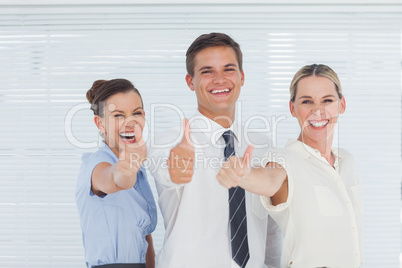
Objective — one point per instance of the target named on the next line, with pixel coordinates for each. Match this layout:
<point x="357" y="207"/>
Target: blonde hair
<point x="314" y="70"/>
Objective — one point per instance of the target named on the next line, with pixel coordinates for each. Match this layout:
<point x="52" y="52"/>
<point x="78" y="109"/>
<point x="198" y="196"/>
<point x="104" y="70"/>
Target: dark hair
<point x="315" y="70"/>
<point x="211" y="40"/>
<point x="101" y="90"/>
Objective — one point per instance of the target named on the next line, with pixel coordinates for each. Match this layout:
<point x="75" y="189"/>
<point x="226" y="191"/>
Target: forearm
<point x="265" y="181"/>
<point x="150" y="255"/>
<point x="123" y="178"/>
<point x="111" y="180"/>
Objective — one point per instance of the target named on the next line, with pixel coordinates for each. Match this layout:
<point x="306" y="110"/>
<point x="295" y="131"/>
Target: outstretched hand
<point x="235" y="169"/>
<point x="131" y="157"/>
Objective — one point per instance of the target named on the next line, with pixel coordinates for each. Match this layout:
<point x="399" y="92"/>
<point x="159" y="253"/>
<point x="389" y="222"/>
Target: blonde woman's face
<point x="317" y="107"/>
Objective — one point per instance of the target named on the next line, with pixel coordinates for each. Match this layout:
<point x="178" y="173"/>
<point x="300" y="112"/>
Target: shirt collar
<point x="307" y="151"/>
<point x="211" y="129"/>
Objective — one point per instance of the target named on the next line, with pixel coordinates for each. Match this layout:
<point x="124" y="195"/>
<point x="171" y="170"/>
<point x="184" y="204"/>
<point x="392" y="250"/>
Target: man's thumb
<point x="247" y="156"/>
<point x="187" y="132"/>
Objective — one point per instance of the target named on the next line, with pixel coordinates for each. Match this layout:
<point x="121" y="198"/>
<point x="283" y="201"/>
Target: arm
<point x="107" y="179"/>
<point x="266" y="181"/>
<point x="150" y="255"/>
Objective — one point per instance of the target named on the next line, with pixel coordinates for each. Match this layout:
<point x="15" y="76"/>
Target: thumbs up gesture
<point x="131" y="157"/>
<point x="181" y="158"/>
<point x="235" y="169"/>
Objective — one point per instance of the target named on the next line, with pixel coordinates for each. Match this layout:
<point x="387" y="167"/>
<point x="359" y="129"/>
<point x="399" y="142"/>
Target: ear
<point x="343" y="105"/>
<point x="189" y="81"/>
<point x="292" y="108"/>
<point x="100" y="124"/>
<point x="242" y="78"/>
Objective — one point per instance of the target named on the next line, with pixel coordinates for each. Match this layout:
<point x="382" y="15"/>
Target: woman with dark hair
<point x="114" y="200"/>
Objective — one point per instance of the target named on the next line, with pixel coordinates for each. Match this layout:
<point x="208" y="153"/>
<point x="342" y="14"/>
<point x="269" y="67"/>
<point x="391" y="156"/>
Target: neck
<point x="323" y="146"/>
<point x="225" y="119"/>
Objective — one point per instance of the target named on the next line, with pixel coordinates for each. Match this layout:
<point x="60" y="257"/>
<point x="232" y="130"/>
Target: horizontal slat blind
<point x="50" y="55"/>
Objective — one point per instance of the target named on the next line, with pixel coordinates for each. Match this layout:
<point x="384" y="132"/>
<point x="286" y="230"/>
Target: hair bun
<point x="91" y="93"/>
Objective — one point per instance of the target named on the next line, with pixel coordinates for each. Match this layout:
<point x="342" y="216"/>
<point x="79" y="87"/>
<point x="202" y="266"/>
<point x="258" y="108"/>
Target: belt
<point x="121" y="265"/>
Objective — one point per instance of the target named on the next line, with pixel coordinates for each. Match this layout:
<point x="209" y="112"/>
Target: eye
<point x="328" y="100"/>
<point x="138" y="113"/>
<point x="118" y="116"/>
<point x="206" y="72"/>
<point x="230" y="69"/>
<point x="306" y="102"/>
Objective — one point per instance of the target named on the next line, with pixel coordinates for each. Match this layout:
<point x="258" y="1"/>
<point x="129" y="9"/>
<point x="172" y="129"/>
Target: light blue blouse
<point x="114" y="226"/>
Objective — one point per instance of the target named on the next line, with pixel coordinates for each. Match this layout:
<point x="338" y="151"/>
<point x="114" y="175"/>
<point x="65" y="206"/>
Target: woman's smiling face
<point x="122" y="112"/>
<point x="316" y="106"/>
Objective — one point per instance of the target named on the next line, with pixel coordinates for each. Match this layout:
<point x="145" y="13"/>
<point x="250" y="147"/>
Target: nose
<point x="319" y="110"/>
<point x="130" y="122"/>
<point x="219" y="77"/>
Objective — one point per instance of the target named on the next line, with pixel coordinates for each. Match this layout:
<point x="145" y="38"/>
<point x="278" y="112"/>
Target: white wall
<point x="51" y="54"/>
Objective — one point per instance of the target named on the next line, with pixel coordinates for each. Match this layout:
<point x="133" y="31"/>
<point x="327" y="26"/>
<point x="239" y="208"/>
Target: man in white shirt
<point x="207" y="225"/>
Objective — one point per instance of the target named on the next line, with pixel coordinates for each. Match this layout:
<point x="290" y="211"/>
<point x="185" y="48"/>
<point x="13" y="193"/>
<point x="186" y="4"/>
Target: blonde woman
<point x="310" y="188"/>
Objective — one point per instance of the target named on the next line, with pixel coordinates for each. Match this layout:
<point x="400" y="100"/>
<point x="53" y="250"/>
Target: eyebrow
<point x="309" y="97"/>
<point x="328" y="96"/>
<point x="231" y="65"/>
<point x="304" y="97"/>
<point x="205" y="68"/>
<point x="118" y="111"/>
<point x="210" y="67"/>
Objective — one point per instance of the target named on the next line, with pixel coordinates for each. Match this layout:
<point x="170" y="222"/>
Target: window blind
<point x="51" y="54"/>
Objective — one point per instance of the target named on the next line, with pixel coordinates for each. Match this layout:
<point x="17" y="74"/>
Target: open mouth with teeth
<point x="318" y="124"/>
<point x="220" y="91"/>
<point x="127" y="137"/>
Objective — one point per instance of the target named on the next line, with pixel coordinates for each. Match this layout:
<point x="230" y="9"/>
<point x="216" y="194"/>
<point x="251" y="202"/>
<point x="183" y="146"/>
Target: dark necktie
<point x="237" y="212"/>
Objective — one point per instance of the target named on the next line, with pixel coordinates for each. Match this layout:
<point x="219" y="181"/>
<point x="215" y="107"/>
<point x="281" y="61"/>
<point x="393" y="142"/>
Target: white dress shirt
<point x="196" y="214"/>
<point x="321" y="219"/>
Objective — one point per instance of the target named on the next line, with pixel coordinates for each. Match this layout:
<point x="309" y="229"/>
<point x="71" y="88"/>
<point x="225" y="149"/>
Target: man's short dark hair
<point x="211" y="40"/>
